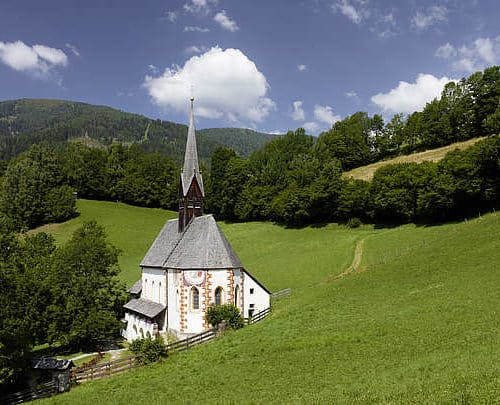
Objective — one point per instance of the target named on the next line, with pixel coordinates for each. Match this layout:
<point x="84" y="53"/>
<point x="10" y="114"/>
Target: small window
<point x="195" y="298"/>
<point x="218" y="296"/>
<point x="236" y="295"/>
<point x="142" y="333"/>
<point x="251" y="290"/>
<point x="252" y="306"/>
<point x="148" y="335"/>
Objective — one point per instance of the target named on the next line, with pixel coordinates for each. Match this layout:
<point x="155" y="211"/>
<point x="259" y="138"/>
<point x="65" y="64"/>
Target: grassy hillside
<point x="417" y="324"/>
<point x="433" y="155"/>
<point x="27" y="121"/>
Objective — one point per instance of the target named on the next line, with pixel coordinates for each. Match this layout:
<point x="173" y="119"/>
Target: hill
<point x="432" y="155"/>
<point x="27" y="121"/>
<point x="417" y="322"/>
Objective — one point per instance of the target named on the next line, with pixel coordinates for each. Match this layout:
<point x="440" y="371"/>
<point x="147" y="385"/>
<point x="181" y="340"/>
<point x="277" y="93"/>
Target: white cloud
<point x="446" y="51"/>
<point x="325" y="114"/>
<point x="433" y="15"/>
<point x="410" y="97"/>
<point x="226" y="85"/>
<point x="153" y="69"/>
<point x="351" y="94"/>
<point x="226" y="22"/>
<point x="355" y="10"/>
<point x="171" y="16"/>
<point x="475" y="56"/>
<point x="302" y="68"/>
<point x="38" y="60"/>
<point x="193" y="49"/>
<point x="311" y="127"/>
<point x="73" y="49"/>
<point x="298" y="113"/>
<point x="199" y="6"/>
<point x="194" y="28"/>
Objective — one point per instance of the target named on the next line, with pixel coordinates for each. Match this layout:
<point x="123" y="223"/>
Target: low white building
<point x="189" y="266"/>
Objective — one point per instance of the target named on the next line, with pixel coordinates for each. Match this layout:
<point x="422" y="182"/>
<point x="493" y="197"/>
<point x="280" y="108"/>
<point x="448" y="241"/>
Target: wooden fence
<point x="191" y="341"/>
<point x="280" y="294"/>
<point x="104" y="370"/>
<point x="42" y="391"/>
<point x="259" y="316"/>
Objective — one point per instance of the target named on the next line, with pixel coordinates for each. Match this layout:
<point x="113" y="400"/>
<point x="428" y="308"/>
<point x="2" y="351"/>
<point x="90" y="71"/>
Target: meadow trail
<point x="355" y="264"/>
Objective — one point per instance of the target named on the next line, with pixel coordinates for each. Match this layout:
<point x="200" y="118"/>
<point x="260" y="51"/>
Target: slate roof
<point x="144" y="307"/>
<point x="51" y="364"/>
<point x="191" y="167"/>
<point x="202" y="245"/>
<point x="136" y="288"/>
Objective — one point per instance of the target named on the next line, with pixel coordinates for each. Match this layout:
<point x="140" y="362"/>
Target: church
<point x="189" y="267"/>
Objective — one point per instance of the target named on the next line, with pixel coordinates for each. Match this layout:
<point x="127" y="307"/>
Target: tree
<point x="87" y="294"/>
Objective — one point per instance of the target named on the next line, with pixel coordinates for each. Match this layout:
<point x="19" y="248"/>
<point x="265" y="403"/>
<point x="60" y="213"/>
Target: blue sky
<point x="270" y="65"/>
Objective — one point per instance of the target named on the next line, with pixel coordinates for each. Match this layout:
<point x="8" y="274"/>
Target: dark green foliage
<point x="31" y="192"/>
<point x="354" y="223"/>
<point x="87" y="293"/>
<point x="55" y="122"/>
<point x="151" y="350"/>
<point x="226" y="312"/>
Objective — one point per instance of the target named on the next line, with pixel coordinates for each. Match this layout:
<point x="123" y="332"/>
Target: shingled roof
<point x="202" y="245"/>
<point x="144" y="307"/>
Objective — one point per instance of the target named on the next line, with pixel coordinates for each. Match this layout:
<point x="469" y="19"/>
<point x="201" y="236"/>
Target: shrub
<point x="228" y="312"/>
<point x="354" y="223"/>
<point x="150" y="349"/>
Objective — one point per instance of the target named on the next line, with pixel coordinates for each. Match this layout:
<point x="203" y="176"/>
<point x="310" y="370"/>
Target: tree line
<point x="39" y="186"/>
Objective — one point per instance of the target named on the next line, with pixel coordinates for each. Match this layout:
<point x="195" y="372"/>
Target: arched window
<point x="135" y="330"/>
<point x="195" y="298"/>
<point x="218" y="296"/>
<point x="148" y="335"/>
<point x="142" y="333"/>
<point x="236" y="295"/>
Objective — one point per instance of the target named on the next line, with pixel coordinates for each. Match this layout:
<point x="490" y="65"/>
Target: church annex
<point x="189" y="266"/>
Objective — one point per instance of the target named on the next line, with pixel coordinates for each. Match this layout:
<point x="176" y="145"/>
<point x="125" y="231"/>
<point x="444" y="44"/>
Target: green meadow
<point x="418" y="322"/>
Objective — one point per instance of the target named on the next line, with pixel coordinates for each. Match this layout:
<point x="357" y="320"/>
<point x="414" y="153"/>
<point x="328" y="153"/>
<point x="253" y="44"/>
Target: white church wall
<point x="255" y="297"/>
<point x="137" y="327"/>
<point x="173" y="306"/>
<point x="154" y="285"/>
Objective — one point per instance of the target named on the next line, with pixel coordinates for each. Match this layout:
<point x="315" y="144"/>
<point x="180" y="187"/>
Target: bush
<point x="228" y="312"/>
<point x="354" y="223"/>
<point x="150" y="349"/>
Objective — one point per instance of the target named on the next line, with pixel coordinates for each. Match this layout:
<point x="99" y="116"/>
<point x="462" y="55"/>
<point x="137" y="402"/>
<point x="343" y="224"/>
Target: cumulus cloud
<point x="355" y="10"/>
<point x="153" y="69"/>
<point x="410" y="97"/>
<point x="38" y="60"/>
<point x="298" y="113"/>
<point x="194" y="28"/>
<point x="325" y="114"/>
<point x="225" y="21"/>
<point x="432" y="16"/>
<point x="302" y="68"/>
<point x="477" y="55"/>
<point x="227" y="85"/>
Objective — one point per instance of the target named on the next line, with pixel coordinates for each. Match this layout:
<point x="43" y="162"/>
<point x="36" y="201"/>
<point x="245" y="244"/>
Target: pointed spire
<point x="191" y="167"/>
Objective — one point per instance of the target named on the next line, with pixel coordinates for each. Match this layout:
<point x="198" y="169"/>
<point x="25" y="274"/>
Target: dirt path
<point x="114" y="354"/>
<point x="355" y="266"/>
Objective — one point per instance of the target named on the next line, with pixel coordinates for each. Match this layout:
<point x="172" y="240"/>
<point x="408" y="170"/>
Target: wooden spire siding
<point x="191" y="190"/>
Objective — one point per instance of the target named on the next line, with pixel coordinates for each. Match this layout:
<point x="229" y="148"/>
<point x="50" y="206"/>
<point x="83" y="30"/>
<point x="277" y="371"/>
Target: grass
<point x="433" y="155"/>
<point x="419" y="325"/>
<point x="131" y="229"/>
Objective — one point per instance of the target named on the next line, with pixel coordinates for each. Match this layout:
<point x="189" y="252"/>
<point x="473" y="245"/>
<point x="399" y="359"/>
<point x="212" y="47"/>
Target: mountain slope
<point x="27" y="121"/>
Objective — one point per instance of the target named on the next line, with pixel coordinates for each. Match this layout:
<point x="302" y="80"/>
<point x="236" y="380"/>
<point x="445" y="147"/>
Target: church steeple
<point x="191" y="191"/>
